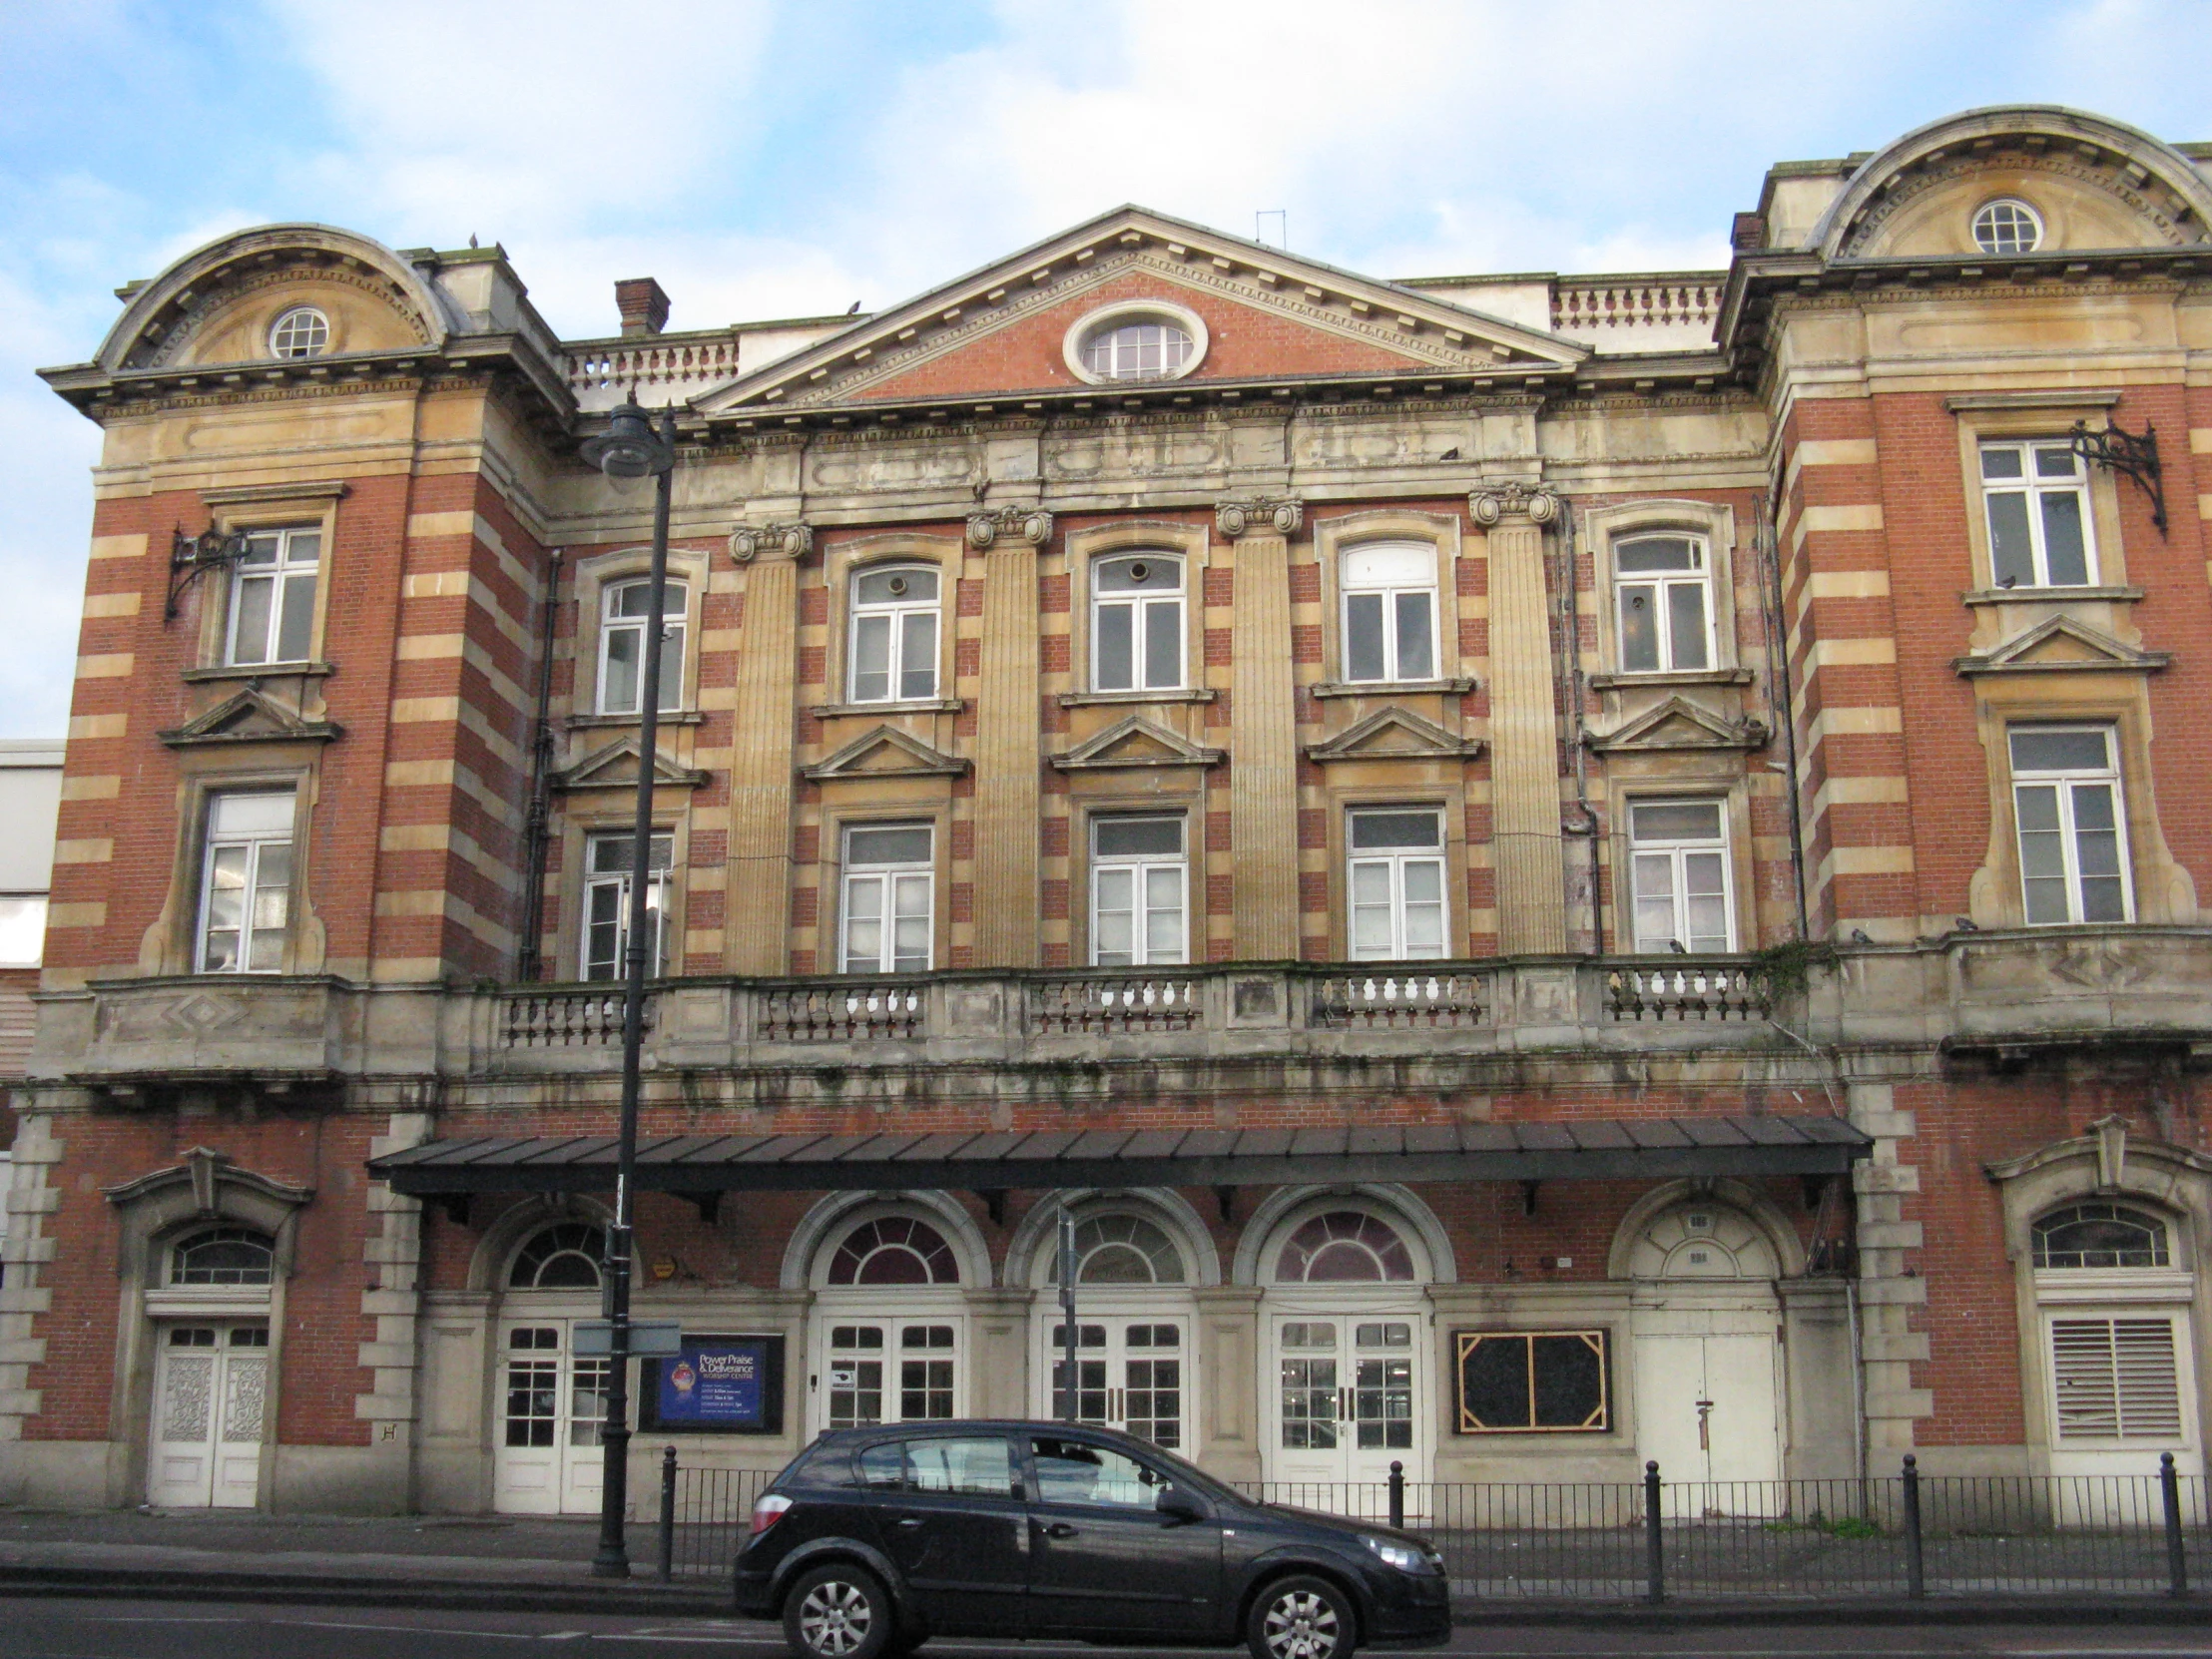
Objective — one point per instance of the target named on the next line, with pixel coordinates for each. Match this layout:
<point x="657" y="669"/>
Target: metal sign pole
<point x="1067" y="1314"/>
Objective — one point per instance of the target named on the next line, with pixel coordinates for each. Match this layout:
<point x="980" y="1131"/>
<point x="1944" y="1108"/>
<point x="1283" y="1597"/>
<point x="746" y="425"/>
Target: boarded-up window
<point x="1531" y="1382"/>
<point x="2115" y="1379"/>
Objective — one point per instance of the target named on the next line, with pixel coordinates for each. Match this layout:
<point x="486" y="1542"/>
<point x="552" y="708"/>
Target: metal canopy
<point x="1585" y="1148"/>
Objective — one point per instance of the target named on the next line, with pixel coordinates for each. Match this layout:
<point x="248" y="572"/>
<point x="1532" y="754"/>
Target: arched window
<point x="1345" y="1246"/>
<point x="1137" y="622"/>
<point x="895" y="1249"/>
<point x="2101" y="1236"/>
<point x="1120" y="1250"/>
<point x="895" y="634"/>
<point x="222" y="1255"/>
<point x="625" y="609"/>
<point x="1147" y="350"/>
<point x="564" y="1257"/>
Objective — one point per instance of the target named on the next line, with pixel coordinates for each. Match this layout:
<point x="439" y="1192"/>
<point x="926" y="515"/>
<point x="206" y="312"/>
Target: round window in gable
<point x="301" y="331"/>
<point x="2007" y="227"/>
<point x="1138" y="341"/>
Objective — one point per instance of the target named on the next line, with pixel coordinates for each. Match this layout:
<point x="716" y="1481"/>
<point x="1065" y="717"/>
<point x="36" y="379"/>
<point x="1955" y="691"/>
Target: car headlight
<point x="1403" y="1556"/>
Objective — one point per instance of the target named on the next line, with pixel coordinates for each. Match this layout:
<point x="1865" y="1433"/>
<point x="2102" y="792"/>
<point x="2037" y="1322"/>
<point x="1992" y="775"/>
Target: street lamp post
<point x="630" y="448"/>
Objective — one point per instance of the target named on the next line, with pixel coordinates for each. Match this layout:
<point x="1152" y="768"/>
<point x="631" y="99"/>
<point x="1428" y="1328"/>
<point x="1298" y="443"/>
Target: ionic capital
<point x="1283" y="514"/>
<point x="771" y="541"/>
<point x="1032" y="524"/>
<point x="1513" y="499"/>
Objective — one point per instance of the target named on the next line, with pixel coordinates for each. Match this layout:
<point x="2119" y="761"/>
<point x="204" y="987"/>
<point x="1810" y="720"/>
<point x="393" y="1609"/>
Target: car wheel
<point x="1300" y="1618"/>
<point x="838" y="1611"/>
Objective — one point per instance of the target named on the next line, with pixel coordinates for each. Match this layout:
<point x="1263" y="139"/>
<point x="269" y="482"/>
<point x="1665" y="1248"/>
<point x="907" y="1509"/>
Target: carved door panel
<point x="211" y="1400"/>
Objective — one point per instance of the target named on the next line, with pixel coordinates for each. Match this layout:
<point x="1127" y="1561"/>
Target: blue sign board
<point x="719" y="1384"/>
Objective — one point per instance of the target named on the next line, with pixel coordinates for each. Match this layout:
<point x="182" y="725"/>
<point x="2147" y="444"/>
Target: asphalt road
<point x="39" y="1629"/>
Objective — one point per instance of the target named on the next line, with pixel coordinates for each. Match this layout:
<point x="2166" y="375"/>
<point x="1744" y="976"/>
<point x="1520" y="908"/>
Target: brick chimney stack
<point x="643" y="304"/>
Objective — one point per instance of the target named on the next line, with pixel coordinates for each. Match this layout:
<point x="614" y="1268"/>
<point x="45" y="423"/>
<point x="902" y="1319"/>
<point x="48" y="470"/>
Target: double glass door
<point x="1348" y="1389"/>
<point x="871" y="1371"/>
<point x="210" y="1399"/>
<point x="1131" y="1373"/>
<point x="546" y="1458"/>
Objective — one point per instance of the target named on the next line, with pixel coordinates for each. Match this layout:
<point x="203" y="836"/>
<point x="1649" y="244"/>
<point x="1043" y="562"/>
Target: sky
<point x="788" y="158"/>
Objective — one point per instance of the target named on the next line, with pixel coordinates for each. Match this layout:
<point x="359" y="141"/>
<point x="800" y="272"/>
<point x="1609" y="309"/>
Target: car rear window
<point x="978" y="1465"/>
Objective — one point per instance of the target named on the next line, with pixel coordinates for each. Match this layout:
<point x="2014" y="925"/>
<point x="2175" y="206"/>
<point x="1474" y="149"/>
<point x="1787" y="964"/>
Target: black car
<point x="875" y="1539"/>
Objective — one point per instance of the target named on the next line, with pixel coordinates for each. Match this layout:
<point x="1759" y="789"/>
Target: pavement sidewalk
<point x="491" y="1562"/>
<point x="512" y="1562"/>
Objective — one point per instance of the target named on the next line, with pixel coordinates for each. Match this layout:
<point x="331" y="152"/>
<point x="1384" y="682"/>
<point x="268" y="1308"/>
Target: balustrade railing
<point x="1164" y="1002"/>
<point x="844" y="1013"/>
<point x="564" y="1020"/>
<point x="1398" y="1001"/>
<point x="1688" y="991"/>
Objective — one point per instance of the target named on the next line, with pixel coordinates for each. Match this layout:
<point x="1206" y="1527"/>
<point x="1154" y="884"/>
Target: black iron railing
<point x="1902" y="1536"/>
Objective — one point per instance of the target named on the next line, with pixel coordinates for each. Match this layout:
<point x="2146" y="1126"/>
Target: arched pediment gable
<point x="2095" y="182"/>
<point x="216" y="305"/>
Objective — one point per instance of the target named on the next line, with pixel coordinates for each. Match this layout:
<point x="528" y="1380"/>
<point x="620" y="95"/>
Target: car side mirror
<point x="1178" y="1505"/>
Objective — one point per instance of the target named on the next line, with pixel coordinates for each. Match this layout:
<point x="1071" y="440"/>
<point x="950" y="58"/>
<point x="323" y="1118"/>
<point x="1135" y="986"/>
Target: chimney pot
<point x="643" y="304"/>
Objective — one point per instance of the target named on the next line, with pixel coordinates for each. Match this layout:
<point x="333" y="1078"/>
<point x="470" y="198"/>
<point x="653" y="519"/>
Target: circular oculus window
<point x="2007" y="227"/>
<point x="1143" y="340"/>
<point x="301" y="331"/>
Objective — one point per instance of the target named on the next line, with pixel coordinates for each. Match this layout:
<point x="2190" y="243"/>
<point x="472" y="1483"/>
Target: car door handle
<point x="1058" y="1530"/>
<point x="909" y="1523"/>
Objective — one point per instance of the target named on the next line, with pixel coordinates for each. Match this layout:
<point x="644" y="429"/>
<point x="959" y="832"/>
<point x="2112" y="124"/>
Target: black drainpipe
<point x="528" y="962"/>
<point x="1576" y="731"/>
<point x="1782" y="697"/>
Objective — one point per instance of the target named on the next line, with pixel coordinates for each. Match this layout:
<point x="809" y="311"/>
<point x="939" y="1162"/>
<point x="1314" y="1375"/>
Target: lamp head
<point x="629" y="448"/>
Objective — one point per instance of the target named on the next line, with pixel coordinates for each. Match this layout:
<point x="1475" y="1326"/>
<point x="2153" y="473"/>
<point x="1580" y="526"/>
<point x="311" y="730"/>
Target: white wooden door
<point x="211" y="1400"/>
<point x="1705" y="1412"/>
<point x="546" y="1459"/>
<point x="1133" y="1372"/>
<point x="871" y="1368"/>
<point x="2122" y="1392"/>
<point x="1350" y="1398"/>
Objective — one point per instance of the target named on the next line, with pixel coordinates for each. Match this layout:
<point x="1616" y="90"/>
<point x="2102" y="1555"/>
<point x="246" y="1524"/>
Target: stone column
<point x="1228" y="1355"/>
<point x="1524" y="725"/>
<point x="762" y="735"/>
<point x="1263" y="730"/>
<point x="1008" y="737"/>
<point x="999" y="1353"/>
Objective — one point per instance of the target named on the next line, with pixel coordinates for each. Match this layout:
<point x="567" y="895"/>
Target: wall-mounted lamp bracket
<point x="191" y="557"/>
<point x="2133" y="454"/>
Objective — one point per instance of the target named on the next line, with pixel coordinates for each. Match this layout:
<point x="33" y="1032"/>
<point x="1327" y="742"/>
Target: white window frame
<point x="2068" y="783"/>
<point x="1676" y="851"/>
<point x="1141" y="604"/>
<point x="895" y="613"/>
<point x="2035" y="490"/>
<point x="290" y="576"/>
<point x="676" y="610"/>
<point x="1662" y="586"/>
<point x="613" y="887"/>
<point x="299" y="331"/>
<point x="254" y="847"/>
<point x="1388" y="595"/>
<point x="909" y="886"/>
<point x="1141" y="868"/>
<point x="1985" y="215"/>
<point x="1395" y="864"/>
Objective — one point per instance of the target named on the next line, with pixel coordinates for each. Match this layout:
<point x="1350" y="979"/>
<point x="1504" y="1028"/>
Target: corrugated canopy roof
<point x="1592" y="1148"/>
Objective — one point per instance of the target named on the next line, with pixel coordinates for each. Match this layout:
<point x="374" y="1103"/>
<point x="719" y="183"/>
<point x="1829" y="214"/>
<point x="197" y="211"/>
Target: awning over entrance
<point x="1598" y="1148"/>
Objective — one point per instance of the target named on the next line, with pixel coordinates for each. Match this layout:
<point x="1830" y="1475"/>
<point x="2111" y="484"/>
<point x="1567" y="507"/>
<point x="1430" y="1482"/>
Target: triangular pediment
<point x="1679" y="724"/>
<point x="616" y="766"/>
<point x="886" y="751"/>
<point x="1393" y="734"/>
<point x="1268" y="313"/>
<point x="2061" y="645"/>
<point x="1132" y="742"/>
<point x="249" y="716"/>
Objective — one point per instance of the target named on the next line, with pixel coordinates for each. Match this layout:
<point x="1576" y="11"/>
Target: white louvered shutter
<point x="2115" y="1379"/>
